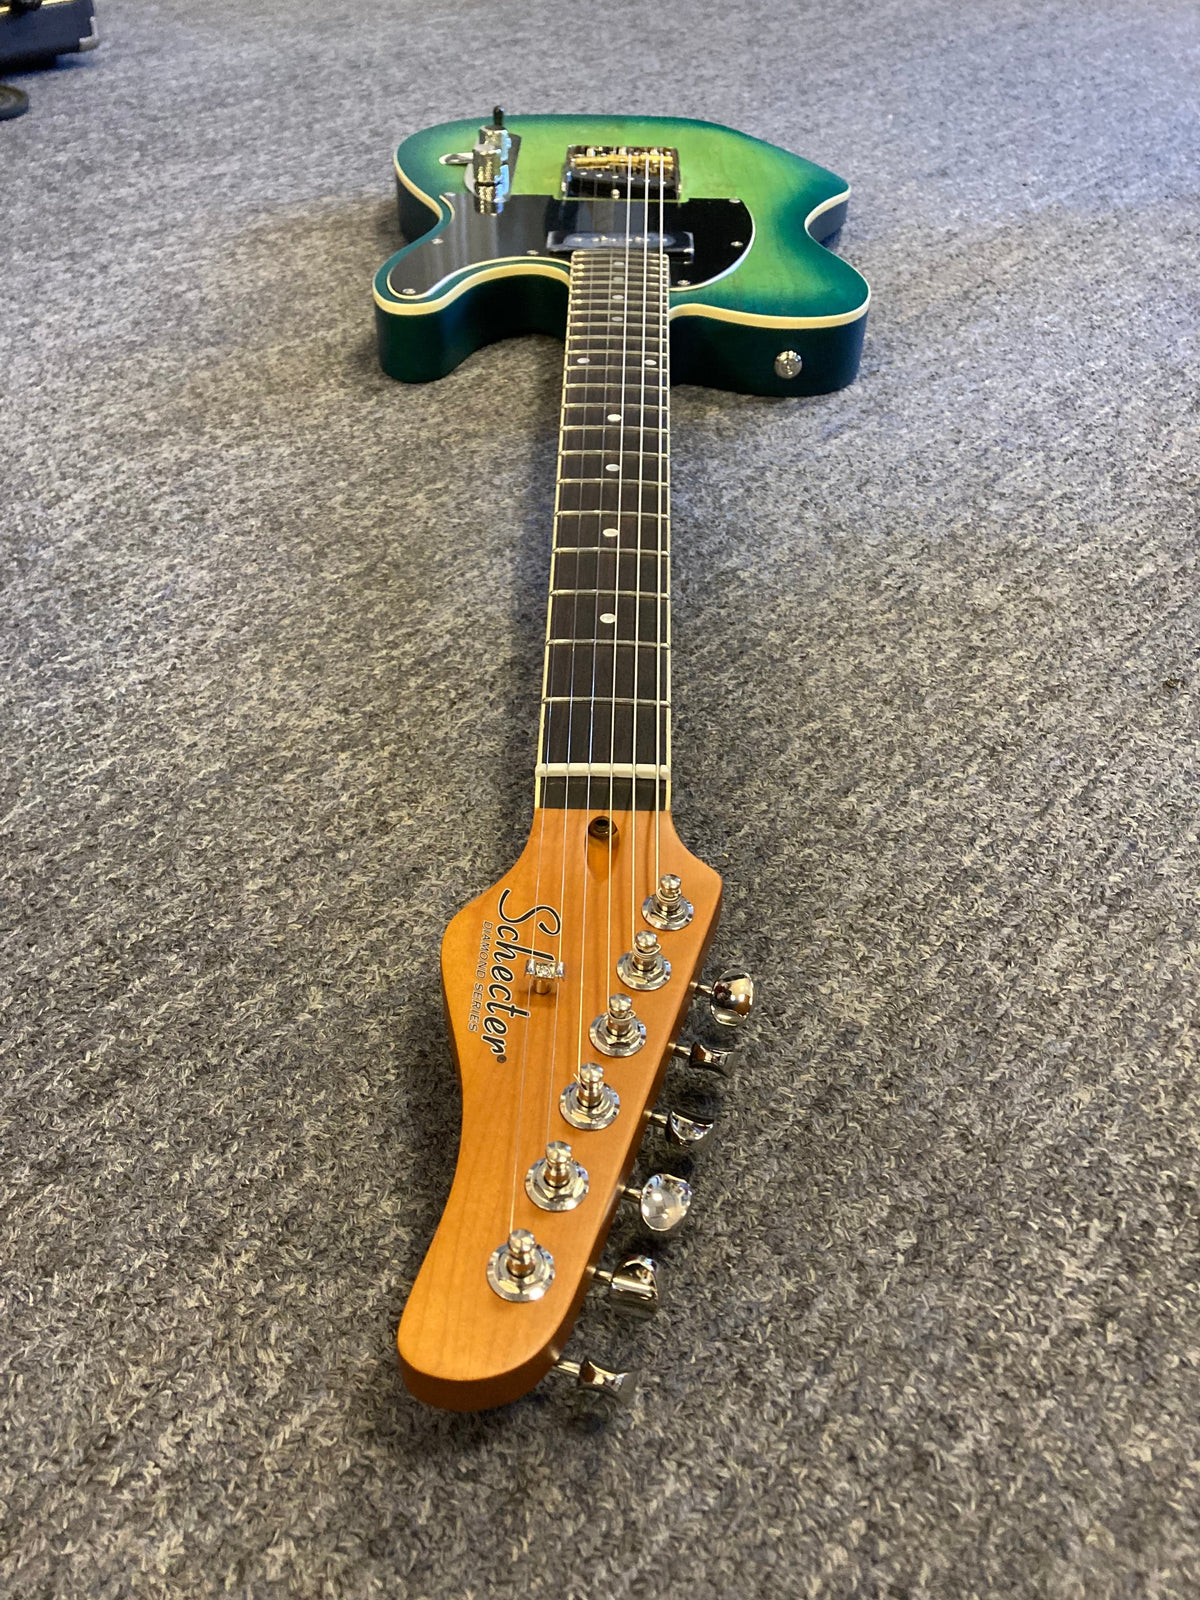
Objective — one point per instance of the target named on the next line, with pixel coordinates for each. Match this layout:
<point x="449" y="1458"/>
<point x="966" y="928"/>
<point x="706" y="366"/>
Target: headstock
<point x="562" y="1021"/>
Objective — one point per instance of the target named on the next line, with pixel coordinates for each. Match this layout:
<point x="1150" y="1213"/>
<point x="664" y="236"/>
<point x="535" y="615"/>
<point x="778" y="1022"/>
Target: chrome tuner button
<point x="616" y="1386"/>
<point x="644" y="967"/>
<point x="519" y="1269"/>
<point x="684" y="1133"/>
<point x="619" y="1031"/>
<point x="666" y="907"/>
<point x="663" y="1201"/>
<point x="557" y="1182"/>
<point x="633" y="1286"/>
<point x="704" y="1056"/>
<point x="545" y="974"/>
<point x="788" y="364"/>
<point x="730" y="998"/>
<point x="589" y="1102"/>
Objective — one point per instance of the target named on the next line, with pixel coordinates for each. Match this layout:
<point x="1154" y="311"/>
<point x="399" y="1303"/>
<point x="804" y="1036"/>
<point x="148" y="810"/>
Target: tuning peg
<point x="645" y="966"/>
<point x="617" y="1386"/>
<point x="704" y="1056"/>
<point x="667" y="907"/>
<point x="619" y="1031"/>
<point x="663" y="1201"/>
<point x="589" y="1102"/>
<point x="633" y="1286"/>
<point x="730" y="998"/>
<point x="685" y="1133"/>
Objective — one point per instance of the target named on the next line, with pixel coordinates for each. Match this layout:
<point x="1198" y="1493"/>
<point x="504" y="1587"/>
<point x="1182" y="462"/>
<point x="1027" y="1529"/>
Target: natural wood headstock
<point x="575" y="895"/>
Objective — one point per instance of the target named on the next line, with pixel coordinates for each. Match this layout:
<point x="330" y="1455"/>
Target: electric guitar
<point x="665" y="250"/>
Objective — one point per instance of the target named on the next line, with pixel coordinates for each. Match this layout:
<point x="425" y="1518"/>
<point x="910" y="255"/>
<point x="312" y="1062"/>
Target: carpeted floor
<point x="271" y="643"/>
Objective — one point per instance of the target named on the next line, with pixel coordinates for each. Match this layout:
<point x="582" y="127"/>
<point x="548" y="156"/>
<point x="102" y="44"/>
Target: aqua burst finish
<point x="786" y="293"/>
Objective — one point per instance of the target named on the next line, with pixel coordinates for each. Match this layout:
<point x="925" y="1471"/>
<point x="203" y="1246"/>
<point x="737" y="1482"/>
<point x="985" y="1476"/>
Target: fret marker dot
<point x="610" y="533"/>
<point x="608" y="616"/>
<point x="583" y="361"/>
<point x="613" y="416"/>
<point x="650" y="362"/>
<point x="612" y="466"/>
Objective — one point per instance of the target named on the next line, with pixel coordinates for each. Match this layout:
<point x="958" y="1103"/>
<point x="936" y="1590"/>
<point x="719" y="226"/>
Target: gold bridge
<point x="621" y="172"/>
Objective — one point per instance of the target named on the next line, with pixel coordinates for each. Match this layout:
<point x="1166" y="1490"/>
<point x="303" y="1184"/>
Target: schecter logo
<point x="492" y="1003"/>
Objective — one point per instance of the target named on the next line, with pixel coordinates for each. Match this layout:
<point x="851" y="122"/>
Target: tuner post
<point x="667" y="908"/>
<point x="557" y="1182"/>
<point x="589" y="1102"/>
<point x="520" y="1269"/>
<point x="619" y="1031"/>
<point x="644" y="967"/>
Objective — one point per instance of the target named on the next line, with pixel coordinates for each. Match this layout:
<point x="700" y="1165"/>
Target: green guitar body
<point x="464" y="280"/>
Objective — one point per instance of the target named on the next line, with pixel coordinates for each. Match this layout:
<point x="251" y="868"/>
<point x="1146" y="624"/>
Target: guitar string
<point x="637" y="583"/>
<point x="546" y="745"/>
<point x="632" y="335"/>
<point x="588" y="280"/>
<point x="662" y="565"/>
<point x="577" y="281"/>
<point x="585" y="276"/>
<point x="622" y="387"/>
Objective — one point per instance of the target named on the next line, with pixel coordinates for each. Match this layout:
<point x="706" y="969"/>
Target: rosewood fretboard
<point x="606" y="690"/>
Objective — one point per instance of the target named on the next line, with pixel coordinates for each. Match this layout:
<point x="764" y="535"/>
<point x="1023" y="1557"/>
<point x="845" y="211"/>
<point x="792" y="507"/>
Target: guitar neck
<point x="605" y="736"/>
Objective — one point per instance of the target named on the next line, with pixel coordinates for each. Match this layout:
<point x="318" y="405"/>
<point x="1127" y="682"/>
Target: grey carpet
<point x="270" y="652"/>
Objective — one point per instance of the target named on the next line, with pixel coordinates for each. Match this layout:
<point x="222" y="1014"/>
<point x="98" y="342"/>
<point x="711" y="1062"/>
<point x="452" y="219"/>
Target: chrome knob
<point x="616" y="1386"/>
<point x="644" y="967"/>
<point x="663" y="1201"/>
<point x="633" y="1286"/>
<point x="704" y="1056"/>
<point x="589" y="1102"/>
<point x="666" y="907"/>
<point x="618" y="1031"/>
<point x="685" y="1133"/>
<point x="730" y="998"/>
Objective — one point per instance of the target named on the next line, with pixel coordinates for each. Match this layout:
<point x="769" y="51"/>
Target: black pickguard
<point x="705" y="237"/>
